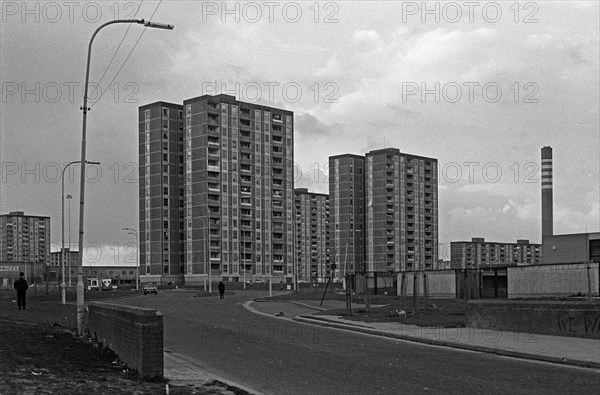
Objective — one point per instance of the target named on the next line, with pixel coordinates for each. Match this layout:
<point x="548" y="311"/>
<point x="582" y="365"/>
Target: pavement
<point x="573" y="351"/>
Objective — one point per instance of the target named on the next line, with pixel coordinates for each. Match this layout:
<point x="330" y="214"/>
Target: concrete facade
<point x="553" y="280"/>
<point x="571" y="248"/>
<point x="346" y="202"/>
<point x="24" y="238"/>
<point x="479" y="253"/>
<point x="216" y="191"/>
<point x="562" y="318"/>
<point x="401" y="215"/>
<point x="384" y="212"/>
<point x="440" y="283"/>
<point x="161" y="189"/>
<point x="311" y="213"/>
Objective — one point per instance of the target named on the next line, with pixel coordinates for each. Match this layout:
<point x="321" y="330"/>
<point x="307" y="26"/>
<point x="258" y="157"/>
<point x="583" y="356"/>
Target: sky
<point x="481" y="86"/>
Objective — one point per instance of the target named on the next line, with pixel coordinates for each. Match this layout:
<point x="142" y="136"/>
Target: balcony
<point x="213" y="121"/>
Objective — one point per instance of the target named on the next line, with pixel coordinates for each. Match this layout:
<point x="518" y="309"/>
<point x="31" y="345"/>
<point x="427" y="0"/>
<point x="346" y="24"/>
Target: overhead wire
<point x="130" y="52"/>
<point x="99" y="84"/>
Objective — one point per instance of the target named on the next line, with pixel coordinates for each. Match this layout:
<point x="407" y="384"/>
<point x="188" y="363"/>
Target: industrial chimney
<point x="547" y="221"/>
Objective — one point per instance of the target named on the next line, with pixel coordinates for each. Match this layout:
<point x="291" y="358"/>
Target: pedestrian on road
<point x="21" y="286"/>
<point x="221" y="290"/>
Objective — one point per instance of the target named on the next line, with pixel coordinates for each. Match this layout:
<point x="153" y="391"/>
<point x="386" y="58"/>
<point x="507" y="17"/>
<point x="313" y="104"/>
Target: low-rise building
<point x="480" y="253"/>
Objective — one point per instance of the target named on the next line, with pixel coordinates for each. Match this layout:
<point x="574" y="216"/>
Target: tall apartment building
<point x="221" y="190"/>
<point x="384" y="211"/>
<point x="312" y="236"/>
<point x="401" y="211"/>
<point x="479" y="253"/>
<point x="346" y="201"/>
<point x="161" y="192"/>
<point x="25" y="243"/>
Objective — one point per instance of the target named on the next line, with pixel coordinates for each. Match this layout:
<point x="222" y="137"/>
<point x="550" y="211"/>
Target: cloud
<point x="366" y="36"/>
<point x="332" y="68"/>
<point x="307" y="125"/>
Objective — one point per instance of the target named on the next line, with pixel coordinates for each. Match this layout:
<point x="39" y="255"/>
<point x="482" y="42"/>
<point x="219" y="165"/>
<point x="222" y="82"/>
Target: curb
<point x="199" y="374"/>
<point x="305" y="305"/>
<point x="315" y="320"/>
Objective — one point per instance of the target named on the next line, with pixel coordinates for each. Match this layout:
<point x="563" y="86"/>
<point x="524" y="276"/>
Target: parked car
<point x="150" y="289"/>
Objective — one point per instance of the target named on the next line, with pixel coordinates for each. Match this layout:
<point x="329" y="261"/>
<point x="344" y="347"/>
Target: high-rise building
<point x="312" y="236"/>
<point x="24" y="238"/>
<point x="384" y="211"/>
<point x="25" y="243"/>
<point x="401" y="193"/>
<point x="478" y="253"/>
<point x="346" y="201"/>
<point x="161" y="192"/>
<point x="219" y="195"/>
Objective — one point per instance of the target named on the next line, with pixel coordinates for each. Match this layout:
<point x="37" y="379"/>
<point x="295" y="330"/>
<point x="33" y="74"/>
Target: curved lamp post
<point x="80" y="299"/>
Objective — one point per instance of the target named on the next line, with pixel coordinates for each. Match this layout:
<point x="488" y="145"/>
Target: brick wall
<point x="562" y="318"/>
<point x="134" y="334"/>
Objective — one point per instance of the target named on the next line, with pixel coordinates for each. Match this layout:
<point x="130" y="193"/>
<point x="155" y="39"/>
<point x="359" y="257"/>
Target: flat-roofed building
<point x="480" y="253"/>
<point x="312" y="236"/>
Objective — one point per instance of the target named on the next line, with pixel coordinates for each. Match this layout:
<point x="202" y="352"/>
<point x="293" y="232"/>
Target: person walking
<point x="21" y="286"/>
<point x="221" y="290"/>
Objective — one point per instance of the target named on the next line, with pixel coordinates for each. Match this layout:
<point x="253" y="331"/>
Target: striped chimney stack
<point x="547" y="220"/>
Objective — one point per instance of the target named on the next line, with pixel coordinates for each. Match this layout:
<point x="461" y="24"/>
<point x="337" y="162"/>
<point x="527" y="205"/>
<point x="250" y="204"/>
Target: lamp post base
<point x="64" y="293"/>
<point x="80" y="306"/>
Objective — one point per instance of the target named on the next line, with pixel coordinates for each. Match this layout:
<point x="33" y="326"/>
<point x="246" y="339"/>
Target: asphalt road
<point x="279" y="356"/>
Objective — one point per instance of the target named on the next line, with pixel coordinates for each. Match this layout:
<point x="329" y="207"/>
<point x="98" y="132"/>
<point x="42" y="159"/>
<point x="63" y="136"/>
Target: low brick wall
<point x="562" y="318"/>
<point x="134" y="334"/>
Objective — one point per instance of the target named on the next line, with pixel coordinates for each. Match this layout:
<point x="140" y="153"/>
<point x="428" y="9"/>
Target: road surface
<point x="279" y="356"/>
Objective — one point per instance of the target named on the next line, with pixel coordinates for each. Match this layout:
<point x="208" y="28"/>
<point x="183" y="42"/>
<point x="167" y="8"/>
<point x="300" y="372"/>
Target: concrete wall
<point x="441" y="283"/>
<point x="562" y="318"/>
<point x="552" y="280"/>
<point x="134" y="334"/>
<point x="569" y="248"/>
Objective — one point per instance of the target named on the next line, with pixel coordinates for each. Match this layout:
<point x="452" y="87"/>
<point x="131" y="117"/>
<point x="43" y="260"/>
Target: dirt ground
<point x="446" y="313"/>
<point x="39" y="354"/>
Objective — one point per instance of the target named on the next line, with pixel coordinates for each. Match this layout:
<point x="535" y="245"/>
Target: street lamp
<point x="69" y="198"/>
<point x="84" y="108"/>
<point x="62" y="252"/>
<point x="137" y="260"/>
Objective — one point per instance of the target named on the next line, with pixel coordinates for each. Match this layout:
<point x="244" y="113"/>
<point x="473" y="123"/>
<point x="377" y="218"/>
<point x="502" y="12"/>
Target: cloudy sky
<point x="481" y="86"/>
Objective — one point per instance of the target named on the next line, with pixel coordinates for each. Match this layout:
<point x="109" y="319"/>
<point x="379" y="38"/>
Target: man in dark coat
<point x="221" y="290"/>
<point x="21" y="286"/>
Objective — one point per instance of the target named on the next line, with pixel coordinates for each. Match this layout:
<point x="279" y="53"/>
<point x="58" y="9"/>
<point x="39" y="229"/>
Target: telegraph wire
<point x="130" y="52"/>
<point x="115" y="54"/>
